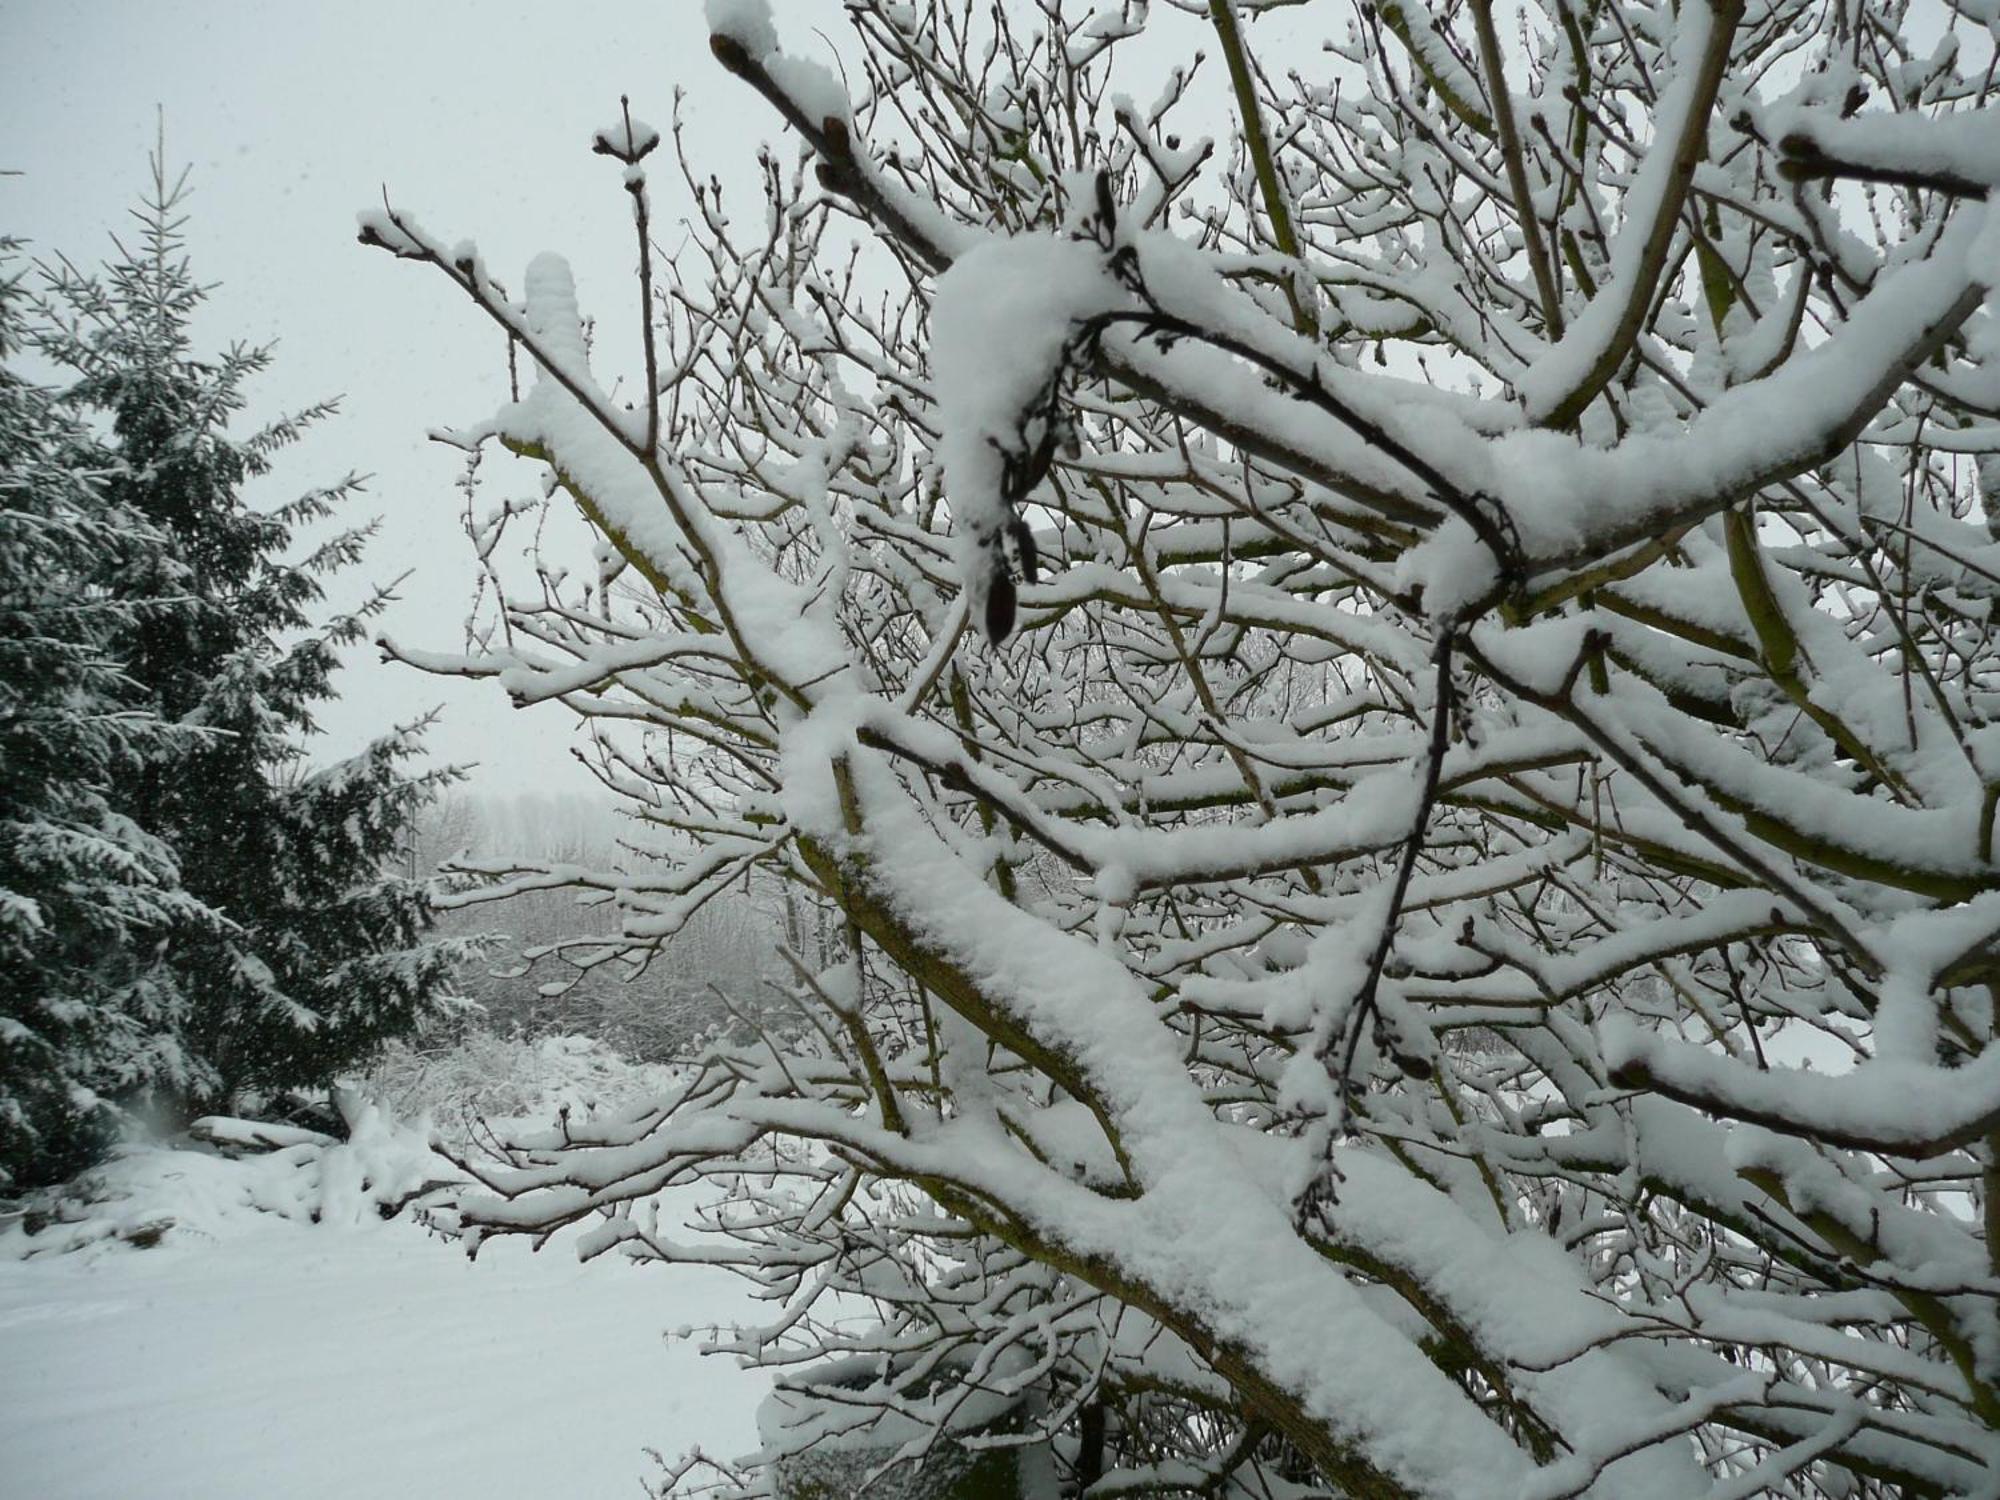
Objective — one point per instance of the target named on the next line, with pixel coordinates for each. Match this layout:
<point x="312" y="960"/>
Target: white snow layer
<point x="253" y="1354"/>
<point x="1000" y="319"/>
<point x="745" y="22"/>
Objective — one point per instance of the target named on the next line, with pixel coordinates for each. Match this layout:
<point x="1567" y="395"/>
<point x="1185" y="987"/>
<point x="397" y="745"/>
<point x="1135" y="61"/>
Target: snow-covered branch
<point x="1401" y="841"/>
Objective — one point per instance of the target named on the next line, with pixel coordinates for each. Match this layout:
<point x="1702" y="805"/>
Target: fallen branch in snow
<point x="234" y="1137"/>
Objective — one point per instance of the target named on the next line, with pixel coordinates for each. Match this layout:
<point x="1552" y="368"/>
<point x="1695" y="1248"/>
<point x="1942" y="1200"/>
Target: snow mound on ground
<point x="228" y="1178"/>
<point x="192" y="1190"/>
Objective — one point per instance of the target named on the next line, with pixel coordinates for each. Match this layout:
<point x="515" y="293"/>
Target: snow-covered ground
<point x="254" y="1355"/>
<point x="308" y="1363"/>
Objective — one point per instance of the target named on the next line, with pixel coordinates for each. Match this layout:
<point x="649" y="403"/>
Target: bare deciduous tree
<point x="1443" y="944"/>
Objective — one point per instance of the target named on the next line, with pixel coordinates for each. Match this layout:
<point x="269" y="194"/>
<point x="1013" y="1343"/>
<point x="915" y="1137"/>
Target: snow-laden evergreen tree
<point x="89" y="901"/>
<point x="324" y="951"/>
<point x="1379" y="629"/>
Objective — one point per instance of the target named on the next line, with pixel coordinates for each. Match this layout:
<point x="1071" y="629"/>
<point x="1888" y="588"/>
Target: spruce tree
<point x="89" y="901"/>
<point x="323" y="952"/>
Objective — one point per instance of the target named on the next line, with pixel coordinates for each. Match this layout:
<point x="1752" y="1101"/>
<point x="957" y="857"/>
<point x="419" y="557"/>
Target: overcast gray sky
<point x="477" y="118"/>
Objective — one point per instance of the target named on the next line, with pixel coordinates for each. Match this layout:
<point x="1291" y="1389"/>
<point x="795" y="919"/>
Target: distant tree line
<point x="542" y="973"/>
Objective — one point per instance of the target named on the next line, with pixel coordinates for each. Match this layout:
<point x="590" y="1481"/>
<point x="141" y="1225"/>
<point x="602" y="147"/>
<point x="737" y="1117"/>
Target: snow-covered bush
<point x="1486" y="542"/>
<point x="468" y="1085"/>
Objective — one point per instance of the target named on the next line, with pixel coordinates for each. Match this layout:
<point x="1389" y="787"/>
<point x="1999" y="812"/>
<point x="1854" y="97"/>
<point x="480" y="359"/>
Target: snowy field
<point x="313" y="1363"/>
<point x="251" y="1354"/>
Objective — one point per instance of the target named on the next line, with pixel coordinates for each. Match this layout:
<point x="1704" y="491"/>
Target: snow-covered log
<point x="232" y="1137"/>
